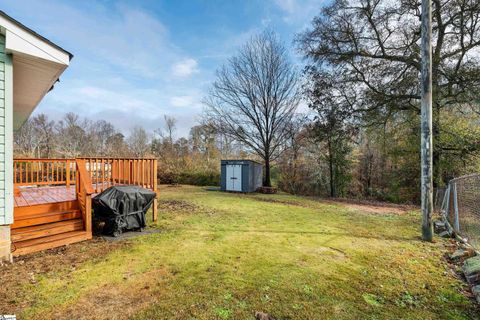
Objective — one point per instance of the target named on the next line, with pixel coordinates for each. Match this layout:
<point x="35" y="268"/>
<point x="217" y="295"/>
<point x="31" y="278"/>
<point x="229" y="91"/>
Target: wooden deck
<point x="30" y="196"/>
<point x="53" y="197"/>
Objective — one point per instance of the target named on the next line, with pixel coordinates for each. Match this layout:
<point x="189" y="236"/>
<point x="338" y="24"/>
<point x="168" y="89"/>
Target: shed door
<point x="234" y="177"/>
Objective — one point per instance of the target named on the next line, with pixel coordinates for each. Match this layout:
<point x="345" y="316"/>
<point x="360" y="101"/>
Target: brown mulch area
<point x="25" y="268"/>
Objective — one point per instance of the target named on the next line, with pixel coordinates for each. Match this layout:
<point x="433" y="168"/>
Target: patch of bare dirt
<point x="182" y="206"/>
<point x="120" y="301"/>
<point x="330" y="252"/>
<point x="25" y="269"/>
<point x="177" y="205"/>
<point x="281" y="201"/>
<point x="376" y="207"/>
<point x="369" y="206"/>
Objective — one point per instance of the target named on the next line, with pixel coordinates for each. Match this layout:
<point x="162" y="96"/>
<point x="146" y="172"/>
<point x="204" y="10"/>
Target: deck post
<point x="155" y="202"/>
<point x="67" y="174"/>
<point x="88" y="216"/>
<point x="113" y="171"/>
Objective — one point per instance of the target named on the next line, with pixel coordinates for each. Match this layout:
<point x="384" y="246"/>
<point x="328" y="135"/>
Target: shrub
<point x="199" y="178"/>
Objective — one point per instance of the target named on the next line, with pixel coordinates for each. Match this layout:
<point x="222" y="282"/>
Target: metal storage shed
<point x="241" y="175"/>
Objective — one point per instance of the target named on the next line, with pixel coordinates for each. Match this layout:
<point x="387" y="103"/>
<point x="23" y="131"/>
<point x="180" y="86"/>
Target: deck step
<point x="24" y="211"/>
<point x="42" y="218"/>
<point x="53" y="241"/>
<point x="45" y="230"/>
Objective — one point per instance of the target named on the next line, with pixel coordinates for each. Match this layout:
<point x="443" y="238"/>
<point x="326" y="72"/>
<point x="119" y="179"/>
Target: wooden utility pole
<point x="426" y="122"/>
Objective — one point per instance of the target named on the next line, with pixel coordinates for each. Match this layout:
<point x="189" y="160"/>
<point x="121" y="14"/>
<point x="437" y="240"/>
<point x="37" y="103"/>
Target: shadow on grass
<point x="300" y="232"/>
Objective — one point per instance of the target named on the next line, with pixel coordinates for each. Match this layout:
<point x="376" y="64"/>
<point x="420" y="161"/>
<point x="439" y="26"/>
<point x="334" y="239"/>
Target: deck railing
<point x="105" y="172"/>
<point x="90" y="175"/>
<point x="43" y="172"/>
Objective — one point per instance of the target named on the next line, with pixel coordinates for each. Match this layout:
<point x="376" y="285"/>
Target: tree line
<point x="360" y="81"/>
<point x="193" y="159"/>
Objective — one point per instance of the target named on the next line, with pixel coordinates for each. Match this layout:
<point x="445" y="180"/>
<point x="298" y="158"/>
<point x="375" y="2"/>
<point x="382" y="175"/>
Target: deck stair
<point x="47" y="226"/>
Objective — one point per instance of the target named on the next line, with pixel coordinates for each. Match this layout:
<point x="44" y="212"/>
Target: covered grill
<point x="122" y="208"/>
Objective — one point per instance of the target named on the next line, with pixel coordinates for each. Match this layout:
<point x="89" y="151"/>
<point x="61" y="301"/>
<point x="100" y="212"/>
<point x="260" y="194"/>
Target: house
<point x="46" y="203"/>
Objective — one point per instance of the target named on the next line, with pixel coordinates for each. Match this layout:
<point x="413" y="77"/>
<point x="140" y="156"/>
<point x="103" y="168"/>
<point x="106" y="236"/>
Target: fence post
<point x="155" y="202"/>
<point x="455" y="208"/>
<point x="442" y="205"/>
<point x="447" y="203"/>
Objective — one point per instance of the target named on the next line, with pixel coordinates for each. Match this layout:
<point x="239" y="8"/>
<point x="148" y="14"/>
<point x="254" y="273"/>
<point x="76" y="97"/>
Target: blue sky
<point x="136" y="61"/>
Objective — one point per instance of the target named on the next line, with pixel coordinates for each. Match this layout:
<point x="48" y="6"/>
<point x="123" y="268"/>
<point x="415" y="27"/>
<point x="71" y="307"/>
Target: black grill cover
<point x="122" y="208"/>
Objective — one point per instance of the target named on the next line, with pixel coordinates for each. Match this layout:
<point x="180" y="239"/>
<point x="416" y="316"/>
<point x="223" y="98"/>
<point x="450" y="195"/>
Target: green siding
<point x="6" y="136"/>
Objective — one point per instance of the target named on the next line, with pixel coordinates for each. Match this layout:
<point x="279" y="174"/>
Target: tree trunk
<point x="266" y="180"/>
<point x="330" y="165"/>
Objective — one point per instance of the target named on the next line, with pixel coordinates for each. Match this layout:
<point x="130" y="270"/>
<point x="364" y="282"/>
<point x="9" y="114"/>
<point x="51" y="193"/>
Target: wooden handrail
<point x="84" y="177"/>
<point x="84" y="190"/>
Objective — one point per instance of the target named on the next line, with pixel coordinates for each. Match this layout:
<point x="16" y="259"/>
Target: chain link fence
<point x="459" y="205"/>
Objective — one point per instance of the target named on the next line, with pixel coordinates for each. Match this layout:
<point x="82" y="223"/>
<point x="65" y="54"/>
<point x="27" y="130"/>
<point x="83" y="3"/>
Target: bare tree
<point x="138" y="142"/>
<point x="116" y="145"/>
<point x="71" y="137"/>
<point x="202" y="139"/>
<point x="255" y="96"/>
<point x="170" y="126"/>
<point x="25" y="140"/>
<point x="43" y="128"/>
<point x="100" y="134"/>
<point x="167" y="132"/>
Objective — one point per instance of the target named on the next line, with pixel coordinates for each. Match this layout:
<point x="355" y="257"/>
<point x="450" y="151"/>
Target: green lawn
<point x="225" y="256"/>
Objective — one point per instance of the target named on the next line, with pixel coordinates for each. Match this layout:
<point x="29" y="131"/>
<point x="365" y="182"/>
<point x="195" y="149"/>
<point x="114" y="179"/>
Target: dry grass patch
<point x="120" y="301"/>
<point x="26" y="269"/>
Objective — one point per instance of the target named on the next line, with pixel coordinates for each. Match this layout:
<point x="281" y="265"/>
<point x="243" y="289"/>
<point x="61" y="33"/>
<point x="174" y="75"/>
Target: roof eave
<point x="21" y="25"/>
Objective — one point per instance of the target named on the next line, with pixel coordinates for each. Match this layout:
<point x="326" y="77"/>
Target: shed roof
<point x="241" y="160"/>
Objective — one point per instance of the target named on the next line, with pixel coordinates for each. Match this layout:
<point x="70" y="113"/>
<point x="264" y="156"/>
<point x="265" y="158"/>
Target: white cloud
<point x="299" y="12"/>
<point x="124" y="108"/>
<point x="120" y="38"/>
<point x="287" y="5"/>
<point x="185" y="68"/>
<point x="181" y="101"/>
